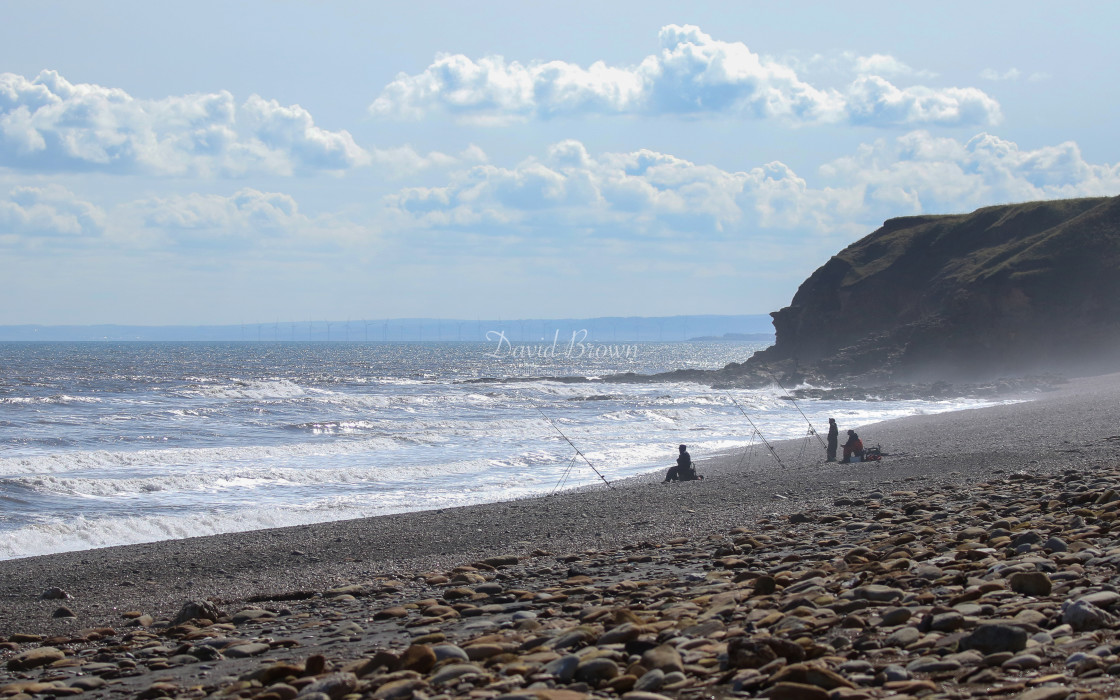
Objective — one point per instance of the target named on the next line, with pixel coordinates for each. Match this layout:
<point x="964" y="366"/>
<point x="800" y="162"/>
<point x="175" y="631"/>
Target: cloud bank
<point x="51" y="211"/>
<point x="692" y="74"/>
<point x="49" y="124"/>
<point x="649" y="195"/>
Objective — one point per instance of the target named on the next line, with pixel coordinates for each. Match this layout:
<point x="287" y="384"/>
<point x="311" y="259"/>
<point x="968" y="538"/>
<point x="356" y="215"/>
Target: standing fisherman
<point x="833" y="435"/>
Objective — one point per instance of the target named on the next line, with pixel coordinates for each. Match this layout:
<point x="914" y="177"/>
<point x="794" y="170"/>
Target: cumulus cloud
<point x="246" y="219"/>
<point x="640" y="193"/>
<point x="652" y="195"/>
<point x="49" y="124"/>
<point x="246" y="211"/>
<point x="883" y="64"/>
<point x="692" y="74"/>
<point x="921" y="173"/>
<point x="52" y="211"/>
<point x="292" y="130"/>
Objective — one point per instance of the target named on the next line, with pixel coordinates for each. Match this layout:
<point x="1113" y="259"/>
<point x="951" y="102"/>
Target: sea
<point x="112" y="443"/>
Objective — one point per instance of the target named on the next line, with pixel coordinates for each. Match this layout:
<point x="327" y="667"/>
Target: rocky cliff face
<point x="1006" y="289"/>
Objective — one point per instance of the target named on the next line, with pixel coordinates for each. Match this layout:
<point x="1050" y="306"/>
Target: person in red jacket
<point x="854" y="446"/>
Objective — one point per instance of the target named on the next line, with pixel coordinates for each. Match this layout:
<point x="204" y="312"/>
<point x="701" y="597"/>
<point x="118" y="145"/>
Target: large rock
<point x="34" y="658"/>
<point x="664" y="657"/>
<point x="197" y="610"/>
<point x="995" y="638"/>
<point x="1083" y="615"/>
<point x="1033" y="583"/>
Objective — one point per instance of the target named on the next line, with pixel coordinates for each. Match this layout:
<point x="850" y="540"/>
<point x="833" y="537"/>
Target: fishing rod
<point x="811" y="428"/>
<point x="757" y="431"/>
<point x="585" y="459"/>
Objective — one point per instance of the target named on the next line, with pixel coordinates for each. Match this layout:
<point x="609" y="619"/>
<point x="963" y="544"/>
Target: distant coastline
<point x="599" y="329"/>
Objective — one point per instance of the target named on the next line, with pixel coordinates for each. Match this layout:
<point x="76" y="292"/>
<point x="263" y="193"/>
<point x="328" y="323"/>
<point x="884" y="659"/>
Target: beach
<point x="1024" y="450"/>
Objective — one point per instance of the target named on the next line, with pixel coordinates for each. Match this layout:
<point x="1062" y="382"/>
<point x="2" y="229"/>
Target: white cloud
<point x="692" y="74"/>
<point x="292" y="130"/>
<point x="51" y="210"/>
<point x="49" y="124"/>
<point x="247" y="211"/>
<point x="992" y="74"/>
<point x="636" y="194"/>
<point x="656" y="196"/>
<point x="883" y="64"/>
<point x="248" y="218"/>
<point x="920" y="173"/>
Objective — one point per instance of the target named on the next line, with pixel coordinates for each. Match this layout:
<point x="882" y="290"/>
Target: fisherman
<point x="833" y="433"/>
<point x="854" y="446"/>
<point x="684" y="470"/>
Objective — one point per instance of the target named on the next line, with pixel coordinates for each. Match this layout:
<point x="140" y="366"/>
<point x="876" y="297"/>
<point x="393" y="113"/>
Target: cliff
<point x="1004" y="290"/>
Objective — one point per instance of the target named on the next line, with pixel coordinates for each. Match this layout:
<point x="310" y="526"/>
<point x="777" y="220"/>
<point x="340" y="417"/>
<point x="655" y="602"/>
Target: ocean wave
<point x="60" y="399"/>
<point x="180" y="457"/>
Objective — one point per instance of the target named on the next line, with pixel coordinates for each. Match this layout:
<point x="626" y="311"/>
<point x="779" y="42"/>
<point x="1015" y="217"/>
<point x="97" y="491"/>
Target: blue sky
<point x="204" y="162"/>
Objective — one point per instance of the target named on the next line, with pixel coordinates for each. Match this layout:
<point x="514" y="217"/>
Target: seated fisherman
<point x="854" y="446"/>
<point x="684" y="470"/>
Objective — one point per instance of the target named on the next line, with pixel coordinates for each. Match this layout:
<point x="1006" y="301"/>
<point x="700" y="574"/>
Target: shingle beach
<point x="975" y="560"/>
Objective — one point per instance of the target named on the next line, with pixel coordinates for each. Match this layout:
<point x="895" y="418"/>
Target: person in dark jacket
<point x="854" y="446"/>
<point x="683" y="471"/>
<point x="833" y="434"/>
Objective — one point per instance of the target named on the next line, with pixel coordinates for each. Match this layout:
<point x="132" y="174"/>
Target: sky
<point x="210" y="162"/>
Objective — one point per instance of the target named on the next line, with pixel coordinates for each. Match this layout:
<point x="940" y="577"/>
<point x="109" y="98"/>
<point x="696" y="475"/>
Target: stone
<point x="1102" y="599"/>
<point x="643" y="695"/>
<point x="88" y="682"/>
<point x="1032" y="583"/>
<point x="596" y="671"/>
<point x="928" y="664"/>
<point x="749" y="653"/>
<point x="796" y="691"/>
<point x="946" y="622"/>
<point x="564" y="668"/>
<point x="390" y="613"/>
<point x="158" y="690"/>
<point x="650" y="680"/>
<point x="34" y="658"/>
<point x="894" y="673"/>
<point x="903" y="637"/>
<point x="991" y="638"/>
<point x="244" y="651"/>
<point x="807" y="674"/>
<point x="1046" y="693"/>
<point x="1022" y="662"/>
<point x="625" y="632"/>
<point x="333" y="685"/>
<point x="422" y="658"/>
<point x="63" y="612"/>
<point x="197" y="610"/>
<point x="663" y="657"/>
<point x="1083" y="616"/>
<point x="451" y="672"/>
<point x="1056" y="544"/>
<point x="481" y="652"/>
<point x="449" y="651"/>
<point x="571" y="638"/>
<point x="250" y="614"/>
<point x="875" y="593"/>
<point x="400" y="689"/>
<point x="896" y="616"/>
